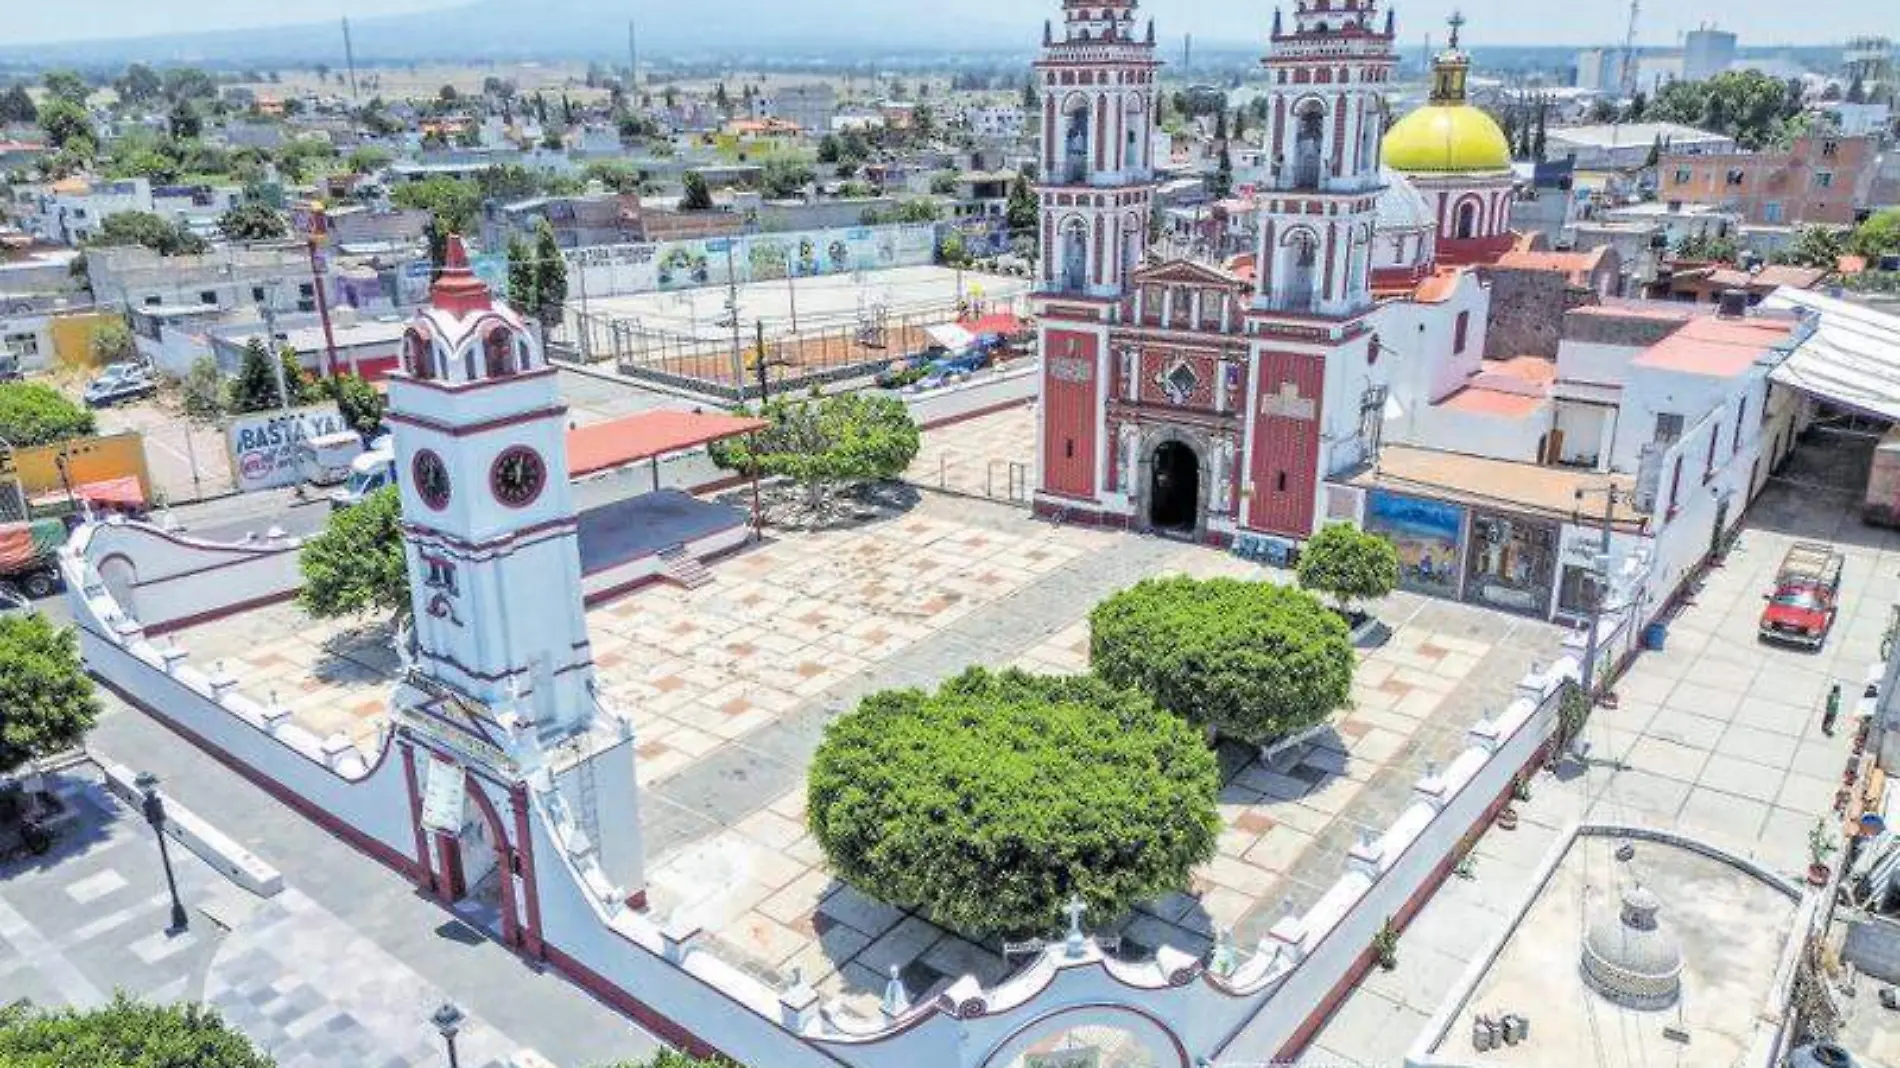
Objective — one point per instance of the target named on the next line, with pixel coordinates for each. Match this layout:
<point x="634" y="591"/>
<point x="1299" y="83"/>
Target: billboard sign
<point x="264" y="445"/>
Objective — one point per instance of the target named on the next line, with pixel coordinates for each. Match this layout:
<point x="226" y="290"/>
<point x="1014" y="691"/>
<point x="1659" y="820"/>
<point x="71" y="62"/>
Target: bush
<point x="202" y="389"/>
<point x="359" y="403"/>
<point x="1252" y="660"/>
<point x="124" y="1034"/>
<point x="1349" y="564"/>
<point x="992" y="802"/>
<point x="35" y="414"/>
<point x="112" y="342"/>
<point x="357" y="565"/>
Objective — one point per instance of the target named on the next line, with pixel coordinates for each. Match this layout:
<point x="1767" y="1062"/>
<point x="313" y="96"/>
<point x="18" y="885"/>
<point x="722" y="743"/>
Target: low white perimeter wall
<point x="167" y="581"/>
<point x="359" y="796"/>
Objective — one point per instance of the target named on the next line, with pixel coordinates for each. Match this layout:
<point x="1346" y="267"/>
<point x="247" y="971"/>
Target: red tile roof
<point x="1714" y="346"/>
<point x="1536" y="370"/>
<point x="1475" y="400"/>
<point x="1577" y="266"/>
<point x="618" y="442"/>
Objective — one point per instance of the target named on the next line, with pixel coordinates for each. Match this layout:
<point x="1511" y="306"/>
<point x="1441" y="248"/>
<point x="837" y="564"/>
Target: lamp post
<point x="448" y="1020"/>
<point x="1612" y="496"/>
<point x="154" y="807"/>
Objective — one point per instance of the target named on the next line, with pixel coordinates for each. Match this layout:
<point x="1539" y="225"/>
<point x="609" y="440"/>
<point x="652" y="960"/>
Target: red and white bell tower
<point x="1097" y="78"/>
<point x="1325" y="80"/>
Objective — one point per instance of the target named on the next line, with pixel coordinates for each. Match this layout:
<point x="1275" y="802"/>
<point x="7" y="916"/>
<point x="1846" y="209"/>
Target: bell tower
<point x="1096" y="76"/>
<point x="488" y="513"/>
<point x="1326" y="75"/>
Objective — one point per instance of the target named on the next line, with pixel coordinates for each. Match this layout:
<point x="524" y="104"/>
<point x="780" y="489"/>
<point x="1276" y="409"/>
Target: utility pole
<point x="1612" y="495"/>
<point x="319" y="236"/>
<point x="1628" y="82"/>
<point x="633" y="62"/>
<point x="732" y="320"/>
<point x="758" y="326"/>
<point x="271" y="350"/>
<point x="349" y="58"/>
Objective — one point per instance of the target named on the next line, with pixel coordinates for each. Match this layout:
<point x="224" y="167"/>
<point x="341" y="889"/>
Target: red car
<point x="1807" y="593"/>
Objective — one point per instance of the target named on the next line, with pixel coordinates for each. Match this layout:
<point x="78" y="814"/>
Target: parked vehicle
<point x="29" y="554"/>
<point x="326" y="460"/>
<point x="951" y="368"/>
<point x="369" y="472"/>
<point x="120" y="383"/>
<point x="907" y="370"/>
<point x="1806" y="597"/>
<point x="10" y="367"/>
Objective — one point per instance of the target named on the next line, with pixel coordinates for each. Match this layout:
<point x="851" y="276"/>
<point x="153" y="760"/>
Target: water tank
<point x="1822" y="1055"/>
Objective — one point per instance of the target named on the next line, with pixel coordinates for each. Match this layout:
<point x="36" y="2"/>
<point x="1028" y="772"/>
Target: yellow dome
<point x="1443" y="138"/>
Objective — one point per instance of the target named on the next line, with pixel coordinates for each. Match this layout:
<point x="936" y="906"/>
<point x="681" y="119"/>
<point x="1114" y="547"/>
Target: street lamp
<point x="154" y="807"/>
<point x="448" y="1020"/>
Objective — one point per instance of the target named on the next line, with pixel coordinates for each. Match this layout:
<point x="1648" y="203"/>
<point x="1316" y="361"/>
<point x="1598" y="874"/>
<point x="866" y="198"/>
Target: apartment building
<point x="1824" y="180"/>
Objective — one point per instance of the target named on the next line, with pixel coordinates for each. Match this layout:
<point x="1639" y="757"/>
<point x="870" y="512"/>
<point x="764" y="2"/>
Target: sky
<point x="1492" y="22"/>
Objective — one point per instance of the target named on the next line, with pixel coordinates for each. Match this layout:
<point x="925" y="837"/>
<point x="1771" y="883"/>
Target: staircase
<point x="683" y="569"/>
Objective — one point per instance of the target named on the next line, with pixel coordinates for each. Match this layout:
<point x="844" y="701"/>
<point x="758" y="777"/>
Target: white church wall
<point x="168" y="580"/>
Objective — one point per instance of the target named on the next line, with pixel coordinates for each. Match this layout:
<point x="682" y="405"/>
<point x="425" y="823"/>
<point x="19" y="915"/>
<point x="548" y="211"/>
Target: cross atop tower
<point x="1457" y="22"/>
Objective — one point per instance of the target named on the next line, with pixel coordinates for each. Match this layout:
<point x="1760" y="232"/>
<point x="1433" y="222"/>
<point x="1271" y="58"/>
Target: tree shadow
<point x="84" y="826"/>
<point x="789" y="506"/>
<point x="363" y="654"/>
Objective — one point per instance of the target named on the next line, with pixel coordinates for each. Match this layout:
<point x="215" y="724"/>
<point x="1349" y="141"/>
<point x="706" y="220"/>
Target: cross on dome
<point x="1457" y="22"/>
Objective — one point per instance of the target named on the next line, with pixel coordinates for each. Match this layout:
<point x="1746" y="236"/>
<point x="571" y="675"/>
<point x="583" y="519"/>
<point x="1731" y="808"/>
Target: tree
<point x="1022" y="212"/>
<point x="697" y="194"/>
<point x="824" y="442"/>
<point x="524" y="286"/>
<point x="359" y="404"/>
<point x="1252" y="660"/>
<point x="138" y="85"/>
<point x="830" y="149"/>
<point x="952" y="251"/>
<point x="943" y="183"/>
<point x="46" y="700"/>
<point x="369" y="159"/>
<point x="784" y="179"/>
<point x="123" y="1034"/>
<point x="255" y="387"/>
<point x="16" y="105"/>
<point x="990" y="803"/>
<point x="1222" y="184"/>
<point x="68" y="126"/>
<point x="1857" y="91"/>
<point x="253" y="220"/>
<point x="202" y="390"/>
<point x="112" y="342"/>
<point x="184" y="121"/>
<point x="1655" y="153"/>
<point x="144" y="228"/>
<point x="1707" y="247"/>
<point x="35" y="414"/>
<point x="1879" y="235"/>
<point x="1349" y="565"/>
<point x="550" y="276"/>
<point x="66" y="85"/>
<point x="453" y="202"/>
<point x="1815" y="246"/>
<point x="1746" y="105"/>
<point x="919" y="210"/>
<point x="356" y="565"/>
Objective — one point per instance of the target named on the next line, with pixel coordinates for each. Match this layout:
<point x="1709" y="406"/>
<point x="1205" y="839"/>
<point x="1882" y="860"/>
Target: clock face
<point x="432" y="479"/>
<point x="518" y="476"/>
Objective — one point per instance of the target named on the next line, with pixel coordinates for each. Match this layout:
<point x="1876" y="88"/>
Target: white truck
<point x="371" y="471"/>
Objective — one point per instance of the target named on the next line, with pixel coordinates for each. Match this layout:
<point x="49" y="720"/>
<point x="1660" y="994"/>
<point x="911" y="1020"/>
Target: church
<point x="1213" y="400"/>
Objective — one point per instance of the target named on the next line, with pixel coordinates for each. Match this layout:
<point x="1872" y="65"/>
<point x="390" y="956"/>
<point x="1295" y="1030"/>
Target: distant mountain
<point x="513" y="29"/>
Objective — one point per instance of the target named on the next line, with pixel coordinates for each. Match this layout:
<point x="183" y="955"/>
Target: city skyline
<point x="1580" y="23"/>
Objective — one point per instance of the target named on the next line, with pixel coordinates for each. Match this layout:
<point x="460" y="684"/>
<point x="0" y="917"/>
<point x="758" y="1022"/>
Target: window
<point x="1741" y="417"/>
<point x="1675" y="490"/>
<point x="1683" y="175"/>
<point x="1830" y="148"/>
<point x="1708" y="468"/>
<point x="1771" y="212"/>
<point x="1578" y="590"/>
<point x="151" y="302"/>
<point x="441" y="574"/>
<point x="208" y="296"/>
<point x="25" y="346"/>
<point x="1824" y="179"/>
<point x="1734" y="176"/>
<point x="1279" y="483"/>
<point x="497" y="354"/>
<point x="1668" y="428"/>
<point x="1458" y="333"/>
<point x="257" y="294"/>
<point x="1068" y="449"/>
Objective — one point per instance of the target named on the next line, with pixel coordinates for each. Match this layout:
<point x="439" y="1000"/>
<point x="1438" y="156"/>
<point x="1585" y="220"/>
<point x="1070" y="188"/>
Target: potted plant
<point x="1821" y="846"/>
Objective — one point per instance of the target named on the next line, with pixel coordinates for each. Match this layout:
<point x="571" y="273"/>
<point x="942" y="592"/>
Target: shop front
<point x="1511" y="563"/>
<point x="1429" y="536"/>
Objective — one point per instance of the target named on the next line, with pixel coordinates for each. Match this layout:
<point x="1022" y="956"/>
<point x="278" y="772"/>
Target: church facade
<point x="1211" y="401"/>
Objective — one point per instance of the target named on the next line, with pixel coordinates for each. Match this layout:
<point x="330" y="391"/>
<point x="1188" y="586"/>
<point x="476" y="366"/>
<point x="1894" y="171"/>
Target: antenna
<point x="1629" y="51"/>
<point x="349" y="58"/>
<point x="1187" y="52"/>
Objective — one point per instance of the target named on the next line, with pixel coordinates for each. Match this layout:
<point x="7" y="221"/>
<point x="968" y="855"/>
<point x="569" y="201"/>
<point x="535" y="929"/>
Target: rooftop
<point x="1531" y="488"/>
<point x="1477" y="400"/>
<point x="1633" y="135"/>
<point x="1577" y="266"/>
<point x="1716" y="347"/>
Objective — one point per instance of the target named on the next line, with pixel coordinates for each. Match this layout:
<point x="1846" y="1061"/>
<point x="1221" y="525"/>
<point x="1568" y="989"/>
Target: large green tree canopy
<point x="823" y="442"/>
<point x="46" y="700"/>
<point x="32" y="413"/>
<point x="992" y="802"/>
<point x="357" y="565"/>
<point x="1253" y="660"/>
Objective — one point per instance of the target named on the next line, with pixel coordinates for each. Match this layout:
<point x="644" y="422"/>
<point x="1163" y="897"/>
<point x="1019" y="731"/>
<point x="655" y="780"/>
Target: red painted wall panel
<point x="1069" y="409"/>
<point x="1285" y="461"/>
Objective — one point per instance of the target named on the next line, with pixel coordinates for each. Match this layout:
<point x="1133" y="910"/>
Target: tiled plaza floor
<point x="991" y="456"/>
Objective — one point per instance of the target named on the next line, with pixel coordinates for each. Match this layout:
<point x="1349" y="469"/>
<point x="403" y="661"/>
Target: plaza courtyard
<point x="730" y="686"/>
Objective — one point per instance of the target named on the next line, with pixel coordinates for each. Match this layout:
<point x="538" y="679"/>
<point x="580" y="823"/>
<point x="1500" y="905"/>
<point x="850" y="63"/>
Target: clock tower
<point x="487" y="511"/>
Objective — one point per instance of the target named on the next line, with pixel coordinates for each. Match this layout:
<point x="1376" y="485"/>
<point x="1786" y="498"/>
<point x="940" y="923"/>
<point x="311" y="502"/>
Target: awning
<point x="122" y="493"/>
<point x="951" y="336"/>
<point x="1852" y="359"/>
<point x="645" y="435"/>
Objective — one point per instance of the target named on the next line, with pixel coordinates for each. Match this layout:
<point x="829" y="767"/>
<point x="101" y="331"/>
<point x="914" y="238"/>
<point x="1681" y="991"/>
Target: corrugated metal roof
<point x="1852" y="358"/>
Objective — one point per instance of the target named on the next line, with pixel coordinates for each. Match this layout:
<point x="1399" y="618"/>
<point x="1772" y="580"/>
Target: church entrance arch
<point x="1174" y="489"/>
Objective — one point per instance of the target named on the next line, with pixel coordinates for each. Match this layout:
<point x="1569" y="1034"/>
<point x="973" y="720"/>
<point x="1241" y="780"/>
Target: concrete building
<point x="1706" y="52"/>
<point x="224" y="278"/>
<point x="1819" y="180"/>
<point x="578" y="221"/>
<point x="1601" y="70"/>
<point x="1625" y="146"/>
<point x="70" y="211"/>
<point x="995" y="122"/>
<point x="811" y="107"/>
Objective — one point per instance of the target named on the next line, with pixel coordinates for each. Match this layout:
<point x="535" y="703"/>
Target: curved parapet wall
<point x="168" y="580"/>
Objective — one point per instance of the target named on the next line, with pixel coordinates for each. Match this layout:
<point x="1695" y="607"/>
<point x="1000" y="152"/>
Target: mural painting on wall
<point x="1512" y="563"/>
<point x="1427" y="535"/>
